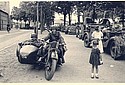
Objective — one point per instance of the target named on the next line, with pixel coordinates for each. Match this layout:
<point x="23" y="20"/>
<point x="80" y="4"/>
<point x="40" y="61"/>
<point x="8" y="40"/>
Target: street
<point x="76" y="69"/>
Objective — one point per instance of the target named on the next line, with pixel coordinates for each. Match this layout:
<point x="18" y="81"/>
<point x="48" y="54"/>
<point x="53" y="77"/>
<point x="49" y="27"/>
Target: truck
<point x="80" y="29"/>
<point x="113" y="38"/>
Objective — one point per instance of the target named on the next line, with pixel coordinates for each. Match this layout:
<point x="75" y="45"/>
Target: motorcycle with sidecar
<point x="40" y="52"/>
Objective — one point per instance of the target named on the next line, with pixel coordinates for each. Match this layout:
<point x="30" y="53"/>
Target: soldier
<point x="56" y="36"/>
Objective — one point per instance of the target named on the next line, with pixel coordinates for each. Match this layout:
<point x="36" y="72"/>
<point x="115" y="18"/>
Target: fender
<point x="86" y="33"/>
<point x="114" y="38"/>
<point x="54" y="55"/>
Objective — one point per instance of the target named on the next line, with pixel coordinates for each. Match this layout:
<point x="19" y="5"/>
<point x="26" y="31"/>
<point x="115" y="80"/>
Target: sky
<point x="14" y="3"/>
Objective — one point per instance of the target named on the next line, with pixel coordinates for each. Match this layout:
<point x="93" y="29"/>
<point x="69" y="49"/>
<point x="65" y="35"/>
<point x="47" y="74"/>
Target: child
<point x="95" y="58"/>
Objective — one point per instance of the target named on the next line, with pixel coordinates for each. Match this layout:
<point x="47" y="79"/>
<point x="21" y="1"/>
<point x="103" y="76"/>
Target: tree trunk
<point x="123" y="18"/>
<point x="78" y="16"/>
<point x="25" y="24"/>
<point x="104" y="14"/>
<point x="29" y="22"/>
<point x="83" y="17"/>
<point x="69" y="19"/>
<point x="64" y="19"/>
<point x="21" y="24"/>
<point x="17" y="24"/>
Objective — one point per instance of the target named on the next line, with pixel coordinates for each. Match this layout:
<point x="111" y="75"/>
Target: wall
<point x="3" y="20"/>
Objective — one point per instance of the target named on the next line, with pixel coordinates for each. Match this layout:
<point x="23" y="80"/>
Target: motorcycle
<point x="46" y="53"/>
<point x="52" y="60"/>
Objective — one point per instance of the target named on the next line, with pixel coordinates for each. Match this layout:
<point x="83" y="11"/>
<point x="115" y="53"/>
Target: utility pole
<point x="41" y="20"/>
<point x="37" y="18"/>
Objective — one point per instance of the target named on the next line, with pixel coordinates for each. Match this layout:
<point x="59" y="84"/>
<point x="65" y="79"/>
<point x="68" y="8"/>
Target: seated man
<point x="33" y="41"/>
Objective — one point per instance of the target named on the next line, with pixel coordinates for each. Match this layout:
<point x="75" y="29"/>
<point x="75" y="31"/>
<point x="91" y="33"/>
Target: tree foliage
<point x="28" y="10"/>
<point x="65" y="8"/>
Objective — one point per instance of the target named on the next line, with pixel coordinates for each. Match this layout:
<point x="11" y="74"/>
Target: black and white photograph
<point x="62" y="41"/>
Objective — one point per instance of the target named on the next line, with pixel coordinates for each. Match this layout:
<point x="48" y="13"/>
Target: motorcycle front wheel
<point x="50" y="69"/>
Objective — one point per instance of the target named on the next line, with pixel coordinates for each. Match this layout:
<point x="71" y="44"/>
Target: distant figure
<point x="8" y="28"/>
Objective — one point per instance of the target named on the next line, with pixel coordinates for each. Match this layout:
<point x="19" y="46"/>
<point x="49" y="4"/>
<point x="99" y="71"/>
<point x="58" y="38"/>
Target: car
<point x="83" y="26"/>
<point x="79" y="30"/>
<point x="70" y="30"/>
<point x="106" y="22"/>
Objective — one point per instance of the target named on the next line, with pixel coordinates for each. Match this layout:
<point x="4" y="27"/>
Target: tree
<point x="47" y="12"/>
<point x="28" y="9"/>
<point x="64" y="7"/>
<point x="15" y="13"/>
<point x="82" y="7"/>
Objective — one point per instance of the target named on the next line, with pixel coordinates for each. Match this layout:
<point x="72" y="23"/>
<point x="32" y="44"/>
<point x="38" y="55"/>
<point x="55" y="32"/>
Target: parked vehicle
<point x="87" y="34"/>
<point x="88" y="30"/>
<point x="79" y="30"/>
<point x="113" y="39"/>
<point x="62" y="28"/>
<point x="70" y="30"/>
<point x="106" y="22"/>
<point x="83" y="26"/>
<point x="32" y="53"/>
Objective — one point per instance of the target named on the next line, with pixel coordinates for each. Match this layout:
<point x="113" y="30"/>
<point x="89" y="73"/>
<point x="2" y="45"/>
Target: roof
<point x="3" y="11"/>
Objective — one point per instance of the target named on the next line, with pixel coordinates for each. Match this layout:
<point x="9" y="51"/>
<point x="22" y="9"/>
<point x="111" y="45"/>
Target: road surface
<point x="75" y="70"/>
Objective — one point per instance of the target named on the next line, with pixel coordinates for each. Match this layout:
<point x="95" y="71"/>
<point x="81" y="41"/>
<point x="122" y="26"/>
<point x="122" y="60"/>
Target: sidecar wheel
<point x="50" y="69"/>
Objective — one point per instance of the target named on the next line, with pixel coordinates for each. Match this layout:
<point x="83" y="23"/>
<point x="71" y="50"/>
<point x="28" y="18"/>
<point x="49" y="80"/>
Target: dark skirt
<point x="95" y="57"/>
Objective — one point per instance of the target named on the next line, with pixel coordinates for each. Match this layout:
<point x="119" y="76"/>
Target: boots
<point x="63" y="60"/>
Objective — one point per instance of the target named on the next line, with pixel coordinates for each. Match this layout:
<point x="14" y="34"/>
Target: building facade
<point x="4" y="14"/>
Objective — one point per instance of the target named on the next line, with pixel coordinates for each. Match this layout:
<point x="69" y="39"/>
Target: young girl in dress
<point x="95" y="58"/>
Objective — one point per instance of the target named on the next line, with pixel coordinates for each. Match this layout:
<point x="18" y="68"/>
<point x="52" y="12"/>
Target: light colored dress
<point x="98" y="35"/>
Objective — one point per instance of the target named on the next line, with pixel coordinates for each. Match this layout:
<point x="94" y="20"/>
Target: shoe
<point x="63" y="61"/>
<point x="97" y="76"/>
<point x="1" y="74"/>
<point x="59" y="63"/>
<point x="92" y="75"/>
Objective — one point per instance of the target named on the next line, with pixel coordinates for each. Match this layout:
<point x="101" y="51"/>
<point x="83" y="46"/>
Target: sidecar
<point x="27" y="54"/>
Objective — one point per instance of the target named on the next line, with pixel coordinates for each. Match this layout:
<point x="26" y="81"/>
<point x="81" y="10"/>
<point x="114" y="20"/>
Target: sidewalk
<point x="13" y="30"/>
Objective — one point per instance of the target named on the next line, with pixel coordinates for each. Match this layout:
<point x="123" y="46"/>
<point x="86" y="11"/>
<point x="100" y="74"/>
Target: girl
<point x="95" y="58"/>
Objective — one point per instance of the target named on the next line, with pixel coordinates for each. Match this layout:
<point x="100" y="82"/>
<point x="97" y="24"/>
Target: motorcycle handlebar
<point x="61" y="44"/>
